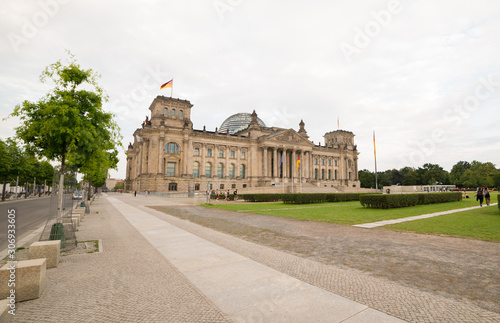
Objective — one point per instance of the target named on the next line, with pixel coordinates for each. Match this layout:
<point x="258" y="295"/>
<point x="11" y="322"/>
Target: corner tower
<point x="170" y="112"/>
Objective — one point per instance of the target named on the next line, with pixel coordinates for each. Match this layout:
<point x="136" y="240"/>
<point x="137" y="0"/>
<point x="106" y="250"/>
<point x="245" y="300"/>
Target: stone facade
<point x="168" y="155"/>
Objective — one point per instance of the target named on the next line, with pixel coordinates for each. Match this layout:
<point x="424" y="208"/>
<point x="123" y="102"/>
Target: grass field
<point x="481" y="224"/>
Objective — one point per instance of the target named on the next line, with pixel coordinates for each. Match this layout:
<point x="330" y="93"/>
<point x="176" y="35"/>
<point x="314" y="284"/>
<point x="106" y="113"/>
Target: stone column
<point x="161" y="150"/>
<point x="285" y="164"/>
<point x="294" y="165"/>
<point x="203" y="152"/>
<point x="226" y="167"/>
<point x="264" y="164"/>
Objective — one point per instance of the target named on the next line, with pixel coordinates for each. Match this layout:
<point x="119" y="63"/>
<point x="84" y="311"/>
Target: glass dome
<point x="237" y="122"/>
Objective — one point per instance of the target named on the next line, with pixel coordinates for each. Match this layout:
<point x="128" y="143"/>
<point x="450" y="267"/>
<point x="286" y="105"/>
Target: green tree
<point x="366" y="178"/>
<point x="5" y="166"/>
<point x="69" y="121"/>
<point x="433" y="173"/>
<point x="457" y="171"/>
<point x="410" y="175"/>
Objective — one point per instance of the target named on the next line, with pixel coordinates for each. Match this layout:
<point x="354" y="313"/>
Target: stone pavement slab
<point x="241" y="287"/>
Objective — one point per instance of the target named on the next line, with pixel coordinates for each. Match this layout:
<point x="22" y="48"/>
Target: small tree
<point x="69" y="121"/>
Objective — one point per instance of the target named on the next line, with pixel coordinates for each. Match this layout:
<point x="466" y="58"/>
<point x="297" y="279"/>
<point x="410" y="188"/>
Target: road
<point x="30" y="215"/>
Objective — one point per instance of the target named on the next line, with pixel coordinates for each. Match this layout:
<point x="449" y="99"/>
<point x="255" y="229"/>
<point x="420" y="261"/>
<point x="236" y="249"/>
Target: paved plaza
<point x="158" y="268"/>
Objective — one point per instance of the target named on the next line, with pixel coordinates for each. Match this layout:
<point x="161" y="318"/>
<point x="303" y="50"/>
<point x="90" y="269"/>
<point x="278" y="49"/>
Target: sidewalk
<point x="159" y="268"/>
<point x="244" y="289"/>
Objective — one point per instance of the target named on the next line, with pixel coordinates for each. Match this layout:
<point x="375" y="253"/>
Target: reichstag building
<point x="168" y="155"/>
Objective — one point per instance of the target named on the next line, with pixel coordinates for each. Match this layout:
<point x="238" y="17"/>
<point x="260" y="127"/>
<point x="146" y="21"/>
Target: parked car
<point x="77" y="195"/>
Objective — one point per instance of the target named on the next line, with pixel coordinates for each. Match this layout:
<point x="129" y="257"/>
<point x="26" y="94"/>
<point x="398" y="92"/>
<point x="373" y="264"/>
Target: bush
<point x="260" y="197"/>
<point x="305" y="198"/>
<point x="57" y="233"/>
<point x="388" y="201"/>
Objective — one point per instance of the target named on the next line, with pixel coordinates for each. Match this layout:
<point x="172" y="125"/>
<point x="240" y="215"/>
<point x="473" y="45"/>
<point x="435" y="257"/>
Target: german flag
<point x="168" y="84"/>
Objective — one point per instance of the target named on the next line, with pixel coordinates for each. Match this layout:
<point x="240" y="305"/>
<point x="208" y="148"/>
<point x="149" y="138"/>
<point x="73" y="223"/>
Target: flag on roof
<point x="168" y="84"/>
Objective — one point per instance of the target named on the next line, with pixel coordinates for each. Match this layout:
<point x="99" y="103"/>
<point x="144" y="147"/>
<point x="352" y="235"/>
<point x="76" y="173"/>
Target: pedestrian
<point x="479" y="196"/>
<point x="487" y="196"/>
<point x="226" y="195"/>
<point x="236" y="195"/>
<point x="135" y="193"/>
<point x="217" y="195"/>
<point x="146" y="194"/>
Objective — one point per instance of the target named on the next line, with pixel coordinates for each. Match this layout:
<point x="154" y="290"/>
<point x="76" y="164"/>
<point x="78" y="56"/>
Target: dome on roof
<point x="237" y="122"/>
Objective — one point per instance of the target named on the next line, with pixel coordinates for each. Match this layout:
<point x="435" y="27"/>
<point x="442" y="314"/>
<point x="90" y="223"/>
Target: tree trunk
<point x="60" y="192"/>
<point x="3" y="190"/>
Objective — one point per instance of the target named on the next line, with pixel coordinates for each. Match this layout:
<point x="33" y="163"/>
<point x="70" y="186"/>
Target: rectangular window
<point x="244" y="185"/>
<point x="197" y="186"/>
<point x="170" y="169"/>
<point x="197" y="151"/>
<point x="172" y="186"/>
<point x="329" y="162"/>
<point x="335" y="162"/>
<point x="221" y="186"/>
<point x="221" y="153"/>
<point x="232" y="154"/>
<point x="322" y="161"/>
<point x="209" y="152"/>
<point x="233" y="185"/>
<point x="243" y="155"/>
<point x="315" y="161"/>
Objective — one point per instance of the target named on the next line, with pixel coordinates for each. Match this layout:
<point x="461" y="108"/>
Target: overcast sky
<point x="424" y="75"/>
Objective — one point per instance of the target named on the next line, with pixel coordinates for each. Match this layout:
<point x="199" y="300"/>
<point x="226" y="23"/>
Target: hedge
<point x="390" y="201"/>
<point x="261" y="197"/>
<point x="305" y="198"/>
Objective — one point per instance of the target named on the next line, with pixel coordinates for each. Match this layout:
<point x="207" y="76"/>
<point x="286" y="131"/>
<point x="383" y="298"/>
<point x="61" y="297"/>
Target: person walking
<point x="486" y="196"/>
<point x="236" y="195"/>
<point x="226" y="195"/>
<point x="479" y="196"/>
<point x="217" y="195"/>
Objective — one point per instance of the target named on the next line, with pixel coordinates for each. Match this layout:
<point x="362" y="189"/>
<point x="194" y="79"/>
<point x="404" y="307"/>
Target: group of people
<point x="483" y="193"/>
<point x="226" y="194"/>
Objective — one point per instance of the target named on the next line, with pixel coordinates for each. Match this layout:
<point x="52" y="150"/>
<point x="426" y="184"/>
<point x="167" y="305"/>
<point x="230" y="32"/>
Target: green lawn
<point x="341" y="213"/>
<point x="483" y="224"/>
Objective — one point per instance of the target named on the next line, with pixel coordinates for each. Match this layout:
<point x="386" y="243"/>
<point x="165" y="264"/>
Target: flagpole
<point x="172" y="88"/>
<point x="375" y="155"/>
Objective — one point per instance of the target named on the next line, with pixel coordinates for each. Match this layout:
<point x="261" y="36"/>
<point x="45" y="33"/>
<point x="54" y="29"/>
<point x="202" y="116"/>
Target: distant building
<point x="111" y="182"/>
<point x="398" y="189"/>
<point x="168" y="155"/>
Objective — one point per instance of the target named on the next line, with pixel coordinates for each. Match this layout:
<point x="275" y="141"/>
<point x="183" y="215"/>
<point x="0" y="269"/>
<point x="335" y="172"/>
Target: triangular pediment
<point x="287" y="136"/>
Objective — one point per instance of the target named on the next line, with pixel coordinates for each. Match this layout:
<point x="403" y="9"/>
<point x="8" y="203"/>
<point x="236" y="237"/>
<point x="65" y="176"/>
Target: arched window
<point x="180" y="113"/>
<point x="220" y="170"/>
<point x="231" y="171"/>
<point x="165" y="111"/>
<point x="242" y="171"/>
<point x="323" y="174"/>
<point x="329" y="174"/>
<point x="208" y="170"/>
<point x="173" y="112"/>
<point x="172" y="148"/>
<point x="196" y="169"/>
<point x="315" y="173"/>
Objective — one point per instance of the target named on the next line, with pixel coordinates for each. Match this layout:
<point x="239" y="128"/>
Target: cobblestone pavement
<point x="396" y="298"/>
<point x="128" y="282"/>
